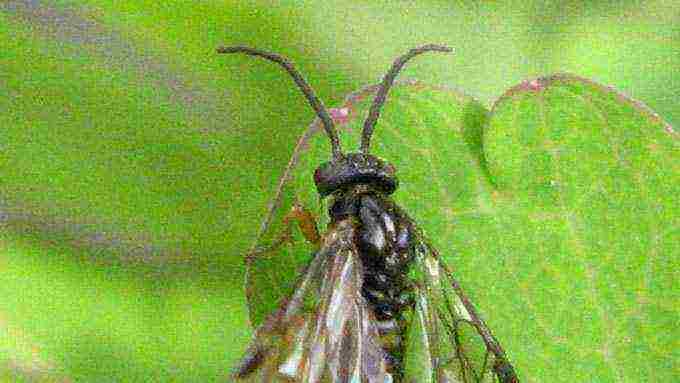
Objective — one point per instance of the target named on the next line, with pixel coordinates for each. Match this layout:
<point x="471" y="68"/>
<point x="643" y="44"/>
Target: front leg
<point x="305" y="221"/>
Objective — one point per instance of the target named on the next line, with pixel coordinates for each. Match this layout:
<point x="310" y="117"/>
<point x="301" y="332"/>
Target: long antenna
<point x="314" y="101"/>
<point x="388" y="80"/>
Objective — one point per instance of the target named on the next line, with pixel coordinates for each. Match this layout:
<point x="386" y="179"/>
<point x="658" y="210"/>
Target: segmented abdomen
<point x="384" y="241"/>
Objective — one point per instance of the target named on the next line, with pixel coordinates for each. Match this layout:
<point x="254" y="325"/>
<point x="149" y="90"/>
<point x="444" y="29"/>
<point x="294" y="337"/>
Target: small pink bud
<point x="535" y="85"/>
<point x="339" y="115"/>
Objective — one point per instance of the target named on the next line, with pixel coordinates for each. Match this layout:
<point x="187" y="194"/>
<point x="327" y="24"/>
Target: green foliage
<point x="556" y="215"/>
<point x="585" y="177"/>
<point x="135" y="167"/>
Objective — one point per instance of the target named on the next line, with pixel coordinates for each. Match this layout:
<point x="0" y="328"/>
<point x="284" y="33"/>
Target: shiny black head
<point x="345" y="170"/>
<point x="353" y="169"/>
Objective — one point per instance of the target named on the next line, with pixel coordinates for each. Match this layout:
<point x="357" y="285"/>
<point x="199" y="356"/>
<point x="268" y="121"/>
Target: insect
<point x="376" y="303"/>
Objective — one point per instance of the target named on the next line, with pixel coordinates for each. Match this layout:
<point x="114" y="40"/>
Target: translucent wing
<point x="323" y="332"/>
<point x="447" y="340"/>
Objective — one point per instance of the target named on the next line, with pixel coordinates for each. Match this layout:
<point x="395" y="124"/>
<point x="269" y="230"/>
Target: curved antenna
<point x="314" y="101"/>
<point x="388" y="80"/>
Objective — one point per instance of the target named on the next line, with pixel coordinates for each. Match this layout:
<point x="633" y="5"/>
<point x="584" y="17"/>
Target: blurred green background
<point x="136" y="164"/>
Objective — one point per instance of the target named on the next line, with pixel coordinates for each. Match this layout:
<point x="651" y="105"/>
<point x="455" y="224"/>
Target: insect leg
<point x="305" y="221"/>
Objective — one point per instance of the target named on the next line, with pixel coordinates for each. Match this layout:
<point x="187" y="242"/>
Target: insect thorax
<point x="384" y="241"/>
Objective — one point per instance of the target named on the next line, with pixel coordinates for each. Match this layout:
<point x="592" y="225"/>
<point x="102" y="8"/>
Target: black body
<point x="361" y="183"/>
<point x="383" y="238"/>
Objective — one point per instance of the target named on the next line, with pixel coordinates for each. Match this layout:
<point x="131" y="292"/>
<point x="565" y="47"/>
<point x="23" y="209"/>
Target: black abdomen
<point x="384" y="242"/>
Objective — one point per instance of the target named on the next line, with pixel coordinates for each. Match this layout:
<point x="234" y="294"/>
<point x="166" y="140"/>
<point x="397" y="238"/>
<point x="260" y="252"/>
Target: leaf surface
<point x="555" y="212"/>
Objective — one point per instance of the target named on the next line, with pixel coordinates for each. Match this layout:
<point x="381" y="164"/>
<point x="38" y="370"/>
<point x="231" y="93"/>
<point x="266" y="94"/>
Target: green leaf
<point x="587" y="195"/>
<point x="557" y="218"/>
